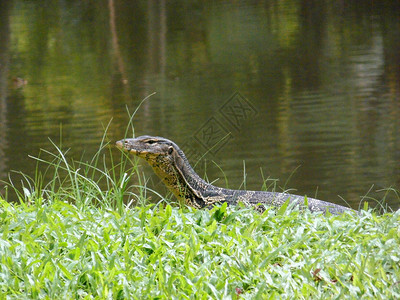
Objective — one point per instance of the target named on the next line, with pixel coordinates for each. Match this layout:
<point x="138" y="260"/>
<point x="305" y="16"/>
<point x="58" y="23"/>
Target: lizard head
<point x="150" y="148"/>
<point x="159" y="152"/>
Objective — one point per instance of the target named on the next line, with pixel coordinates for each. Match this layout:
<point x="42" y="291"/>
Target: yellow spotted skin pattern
<point x="170" y="164"/>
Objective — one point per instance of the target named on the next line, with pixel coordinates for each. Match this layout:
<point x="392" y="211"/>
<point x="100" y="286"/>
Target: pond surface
<point x="307" y="92"/>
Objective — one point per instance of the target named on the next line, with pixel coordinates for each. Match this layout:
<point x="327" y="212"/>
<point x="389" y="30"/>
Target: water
<point x="320" y="78"/>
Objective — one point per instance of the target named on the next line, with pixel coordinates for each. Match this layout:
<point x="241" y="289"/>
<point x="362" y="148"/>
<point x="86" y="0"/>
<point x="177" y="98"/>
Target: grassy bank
<point x="57" y="250"/>
<point x="88" y="233"/>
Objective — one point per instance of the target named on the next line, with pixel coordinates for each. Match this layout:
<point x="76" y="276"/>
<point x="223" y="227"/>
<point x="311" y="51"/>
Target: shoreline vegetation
<point x="89" y="233"/>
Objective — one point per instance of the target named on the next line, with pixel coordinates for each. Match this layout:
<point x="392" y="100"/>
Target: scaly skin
<point x="170" y="164"/>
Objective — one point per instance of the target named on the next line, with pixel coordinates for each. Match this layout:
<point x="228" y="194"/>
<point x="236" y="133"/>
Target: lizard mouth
<point x="134" y="151"/>
<point x="125" y="146"/>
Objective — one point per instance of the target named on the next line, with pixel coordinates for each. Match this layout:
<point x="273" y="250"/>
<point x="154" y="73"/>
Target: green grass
<point x="57" y="250"/>
<point x="90" y="233"/>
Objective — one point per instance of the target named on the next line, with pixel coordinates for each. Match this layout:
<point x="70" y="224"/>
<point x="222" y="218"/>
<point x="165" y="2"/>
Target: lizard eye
<point x="151" y="142"/>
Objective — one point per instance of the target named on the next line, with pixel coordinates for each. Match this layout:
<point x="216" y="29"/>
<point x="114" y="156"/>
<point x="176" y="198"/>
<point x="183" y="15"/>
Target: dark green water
<point x="310" y="87"/>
